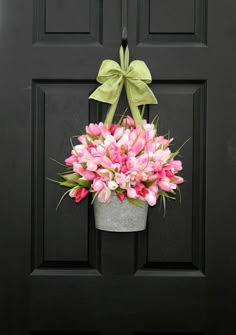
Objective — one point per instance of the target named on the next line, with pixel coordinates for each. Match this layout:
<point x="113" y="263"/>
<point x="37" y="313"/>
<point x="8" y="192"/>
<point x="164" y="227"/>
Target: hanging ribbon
<point x="135" y="76"/>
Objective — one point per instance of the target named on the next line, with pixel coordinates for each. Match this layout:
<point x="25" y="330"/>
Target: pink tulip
<point x="128" y="121"/>
<point x="98" y="184"/>
<point x="91" y="166"/>
<point x="166" y="185"/>
<point x="105" y="174"/>
<point x="113" y="128"/>
<point x="79" y="194"/>
<point x="89" y="175"/>
<point x="176" y="165"/>
<point x="103" y="129"/>
<point x="162" y="155"/>
<point x="141" y="190"/>
<point x="178" y="180"/>
<point x="82" y="139"/>
<point x="93" y="129"/>
<point x="154" y="188"/>
<point x="151" y="198"/>
<point x="104" y="195"/>
<point x="138" y="146"/>
<point x="122" y="180"/>
<point x="70" y="160"/>
<point x="131" y="193"/>
<point x="121" y="196"/>
<point x="105" y="162"/>
<point x="124" y="168"/>
<point x="78" y="168"/>
<point x="118" y="133"/>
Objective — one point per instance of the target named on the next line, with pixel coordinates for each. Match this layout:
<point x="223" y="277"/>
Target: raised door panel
<point x="63" y="237"/>
<point x="171" y="22"/>
<point x="67" y="21"/>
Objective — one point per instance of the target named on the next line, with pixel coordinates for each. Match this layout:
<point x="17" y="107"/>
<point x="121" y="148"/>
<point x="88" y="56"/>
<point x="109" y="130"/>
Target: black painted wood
<point x="58" y="274"/>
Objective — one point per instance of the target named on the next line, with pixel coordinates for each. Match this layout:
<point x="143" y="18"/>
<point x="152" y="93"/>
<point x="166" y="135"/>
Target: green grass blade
<point x="60" y="201"/>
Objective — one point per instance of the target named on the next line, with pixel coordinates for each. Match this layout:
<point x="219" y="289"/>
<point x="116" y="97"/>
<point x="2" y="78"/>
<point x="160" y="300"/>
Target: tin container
<point x="120" y="216"/>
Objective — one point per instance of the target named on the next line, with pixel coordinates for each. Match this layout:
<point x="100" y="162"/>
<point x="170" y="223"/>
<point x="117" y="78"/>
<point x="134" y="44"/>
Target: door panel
<point x="61" y="275"/>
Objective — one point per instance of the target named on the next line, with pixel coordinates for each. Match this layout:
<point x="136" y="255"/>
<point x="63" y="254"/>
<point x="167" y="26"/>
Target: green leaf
<point x="155" y="119"/>
<point x="164" y="204"/>
<point x="168" y="195"/>
<point x="119" y="190"/>
<point x="60" y="201"/>
<point x="64" y="172"/>
<point x="122" y="116"/>
<point x="70" y="176"/>
<point x="94" y="197"/>
<point x="136" y="202"/>
<point x="180" y="196"/>
<point x="142" y="111"/>
<point x="148" y="183"/>
<point x="54" y="160"/>
<point x="54" y="181"/>
<point x="184" y="143"/>
<point x="91" y="136"/>
<point x="68" y="183"/>
<point x="84" y="183"/>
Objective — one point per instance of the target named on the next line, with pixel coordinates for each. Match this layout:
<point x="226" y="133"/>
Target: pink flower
<point x="103" y="129"/>
<point x="123" y="180"/>
<point x="91" y="166"/>
<point x="70" y="160"/>
<point x="89" y="175"/>
<point x="98" y="184"/>
<point x="118" y="133"/>
<point x="138" y="146"/>
<point x="178" y="180"/>
<point x="105" y="174"/>
<point x="175" y="165"/>
<point x="154" y="188"/>
<point x="131" y="193"/>
<point x="79" y="194"/>
<point x="82" y="139"/>
<point x="104" y="195"/>
<point x="113" y="128"/>
<point x="162" y="155"/>
<point x="166" y="185"/>
<point x="78" y="168"/>
<point x="128" y="121"/>
<point x="141" y="190"/>
<point x="93" y="129"/>
<point x="121" y="196"/>
<point x="151" y="198"/>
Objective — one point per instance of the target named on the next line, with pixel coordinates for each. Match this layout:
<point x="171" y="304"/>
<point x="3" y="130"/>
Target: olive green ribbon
<point x="134" y="76"/>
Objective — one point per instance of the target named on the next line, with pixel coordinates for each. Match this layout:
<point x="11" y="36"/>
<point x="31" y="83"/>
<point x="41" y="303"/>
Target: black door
<point x="58" y="274"/>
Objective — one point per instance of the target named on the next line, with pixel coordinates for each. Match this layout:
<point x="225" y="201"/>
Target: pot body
<point x="120" y="216"/>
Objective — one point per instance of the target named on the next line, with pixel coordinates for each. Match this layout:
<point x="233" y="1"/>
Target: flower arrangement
<point x="132" y="162"/>
<point x="128" y="159"/>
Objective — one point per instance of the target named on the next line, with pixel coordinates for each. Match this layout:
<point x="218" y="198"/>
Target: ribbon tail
<point x="141" y="93"/>
<point x="112" y="109"/>
<point x="133" y="108"/>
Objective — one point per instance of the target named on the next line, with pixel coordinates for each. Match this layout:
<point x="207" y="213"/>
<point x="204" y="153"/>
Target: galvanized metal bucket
<point x="120" y="216"/>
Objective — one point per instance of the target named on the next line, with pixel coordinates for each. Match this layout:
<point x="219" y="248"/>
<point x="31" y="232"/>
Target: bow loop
<point x="108" y="68"/>
<point x="138" y="70"/>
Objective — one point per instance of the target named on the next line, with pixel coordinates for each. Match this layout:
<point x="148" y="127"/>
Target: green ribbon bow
<point x="135" y="76"/>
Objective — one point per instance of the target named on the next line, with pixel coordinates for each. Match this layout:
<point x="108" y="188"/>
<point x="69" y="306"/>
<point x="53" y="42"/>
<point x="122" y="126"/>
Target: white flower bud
<point x="112" y="185"/>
